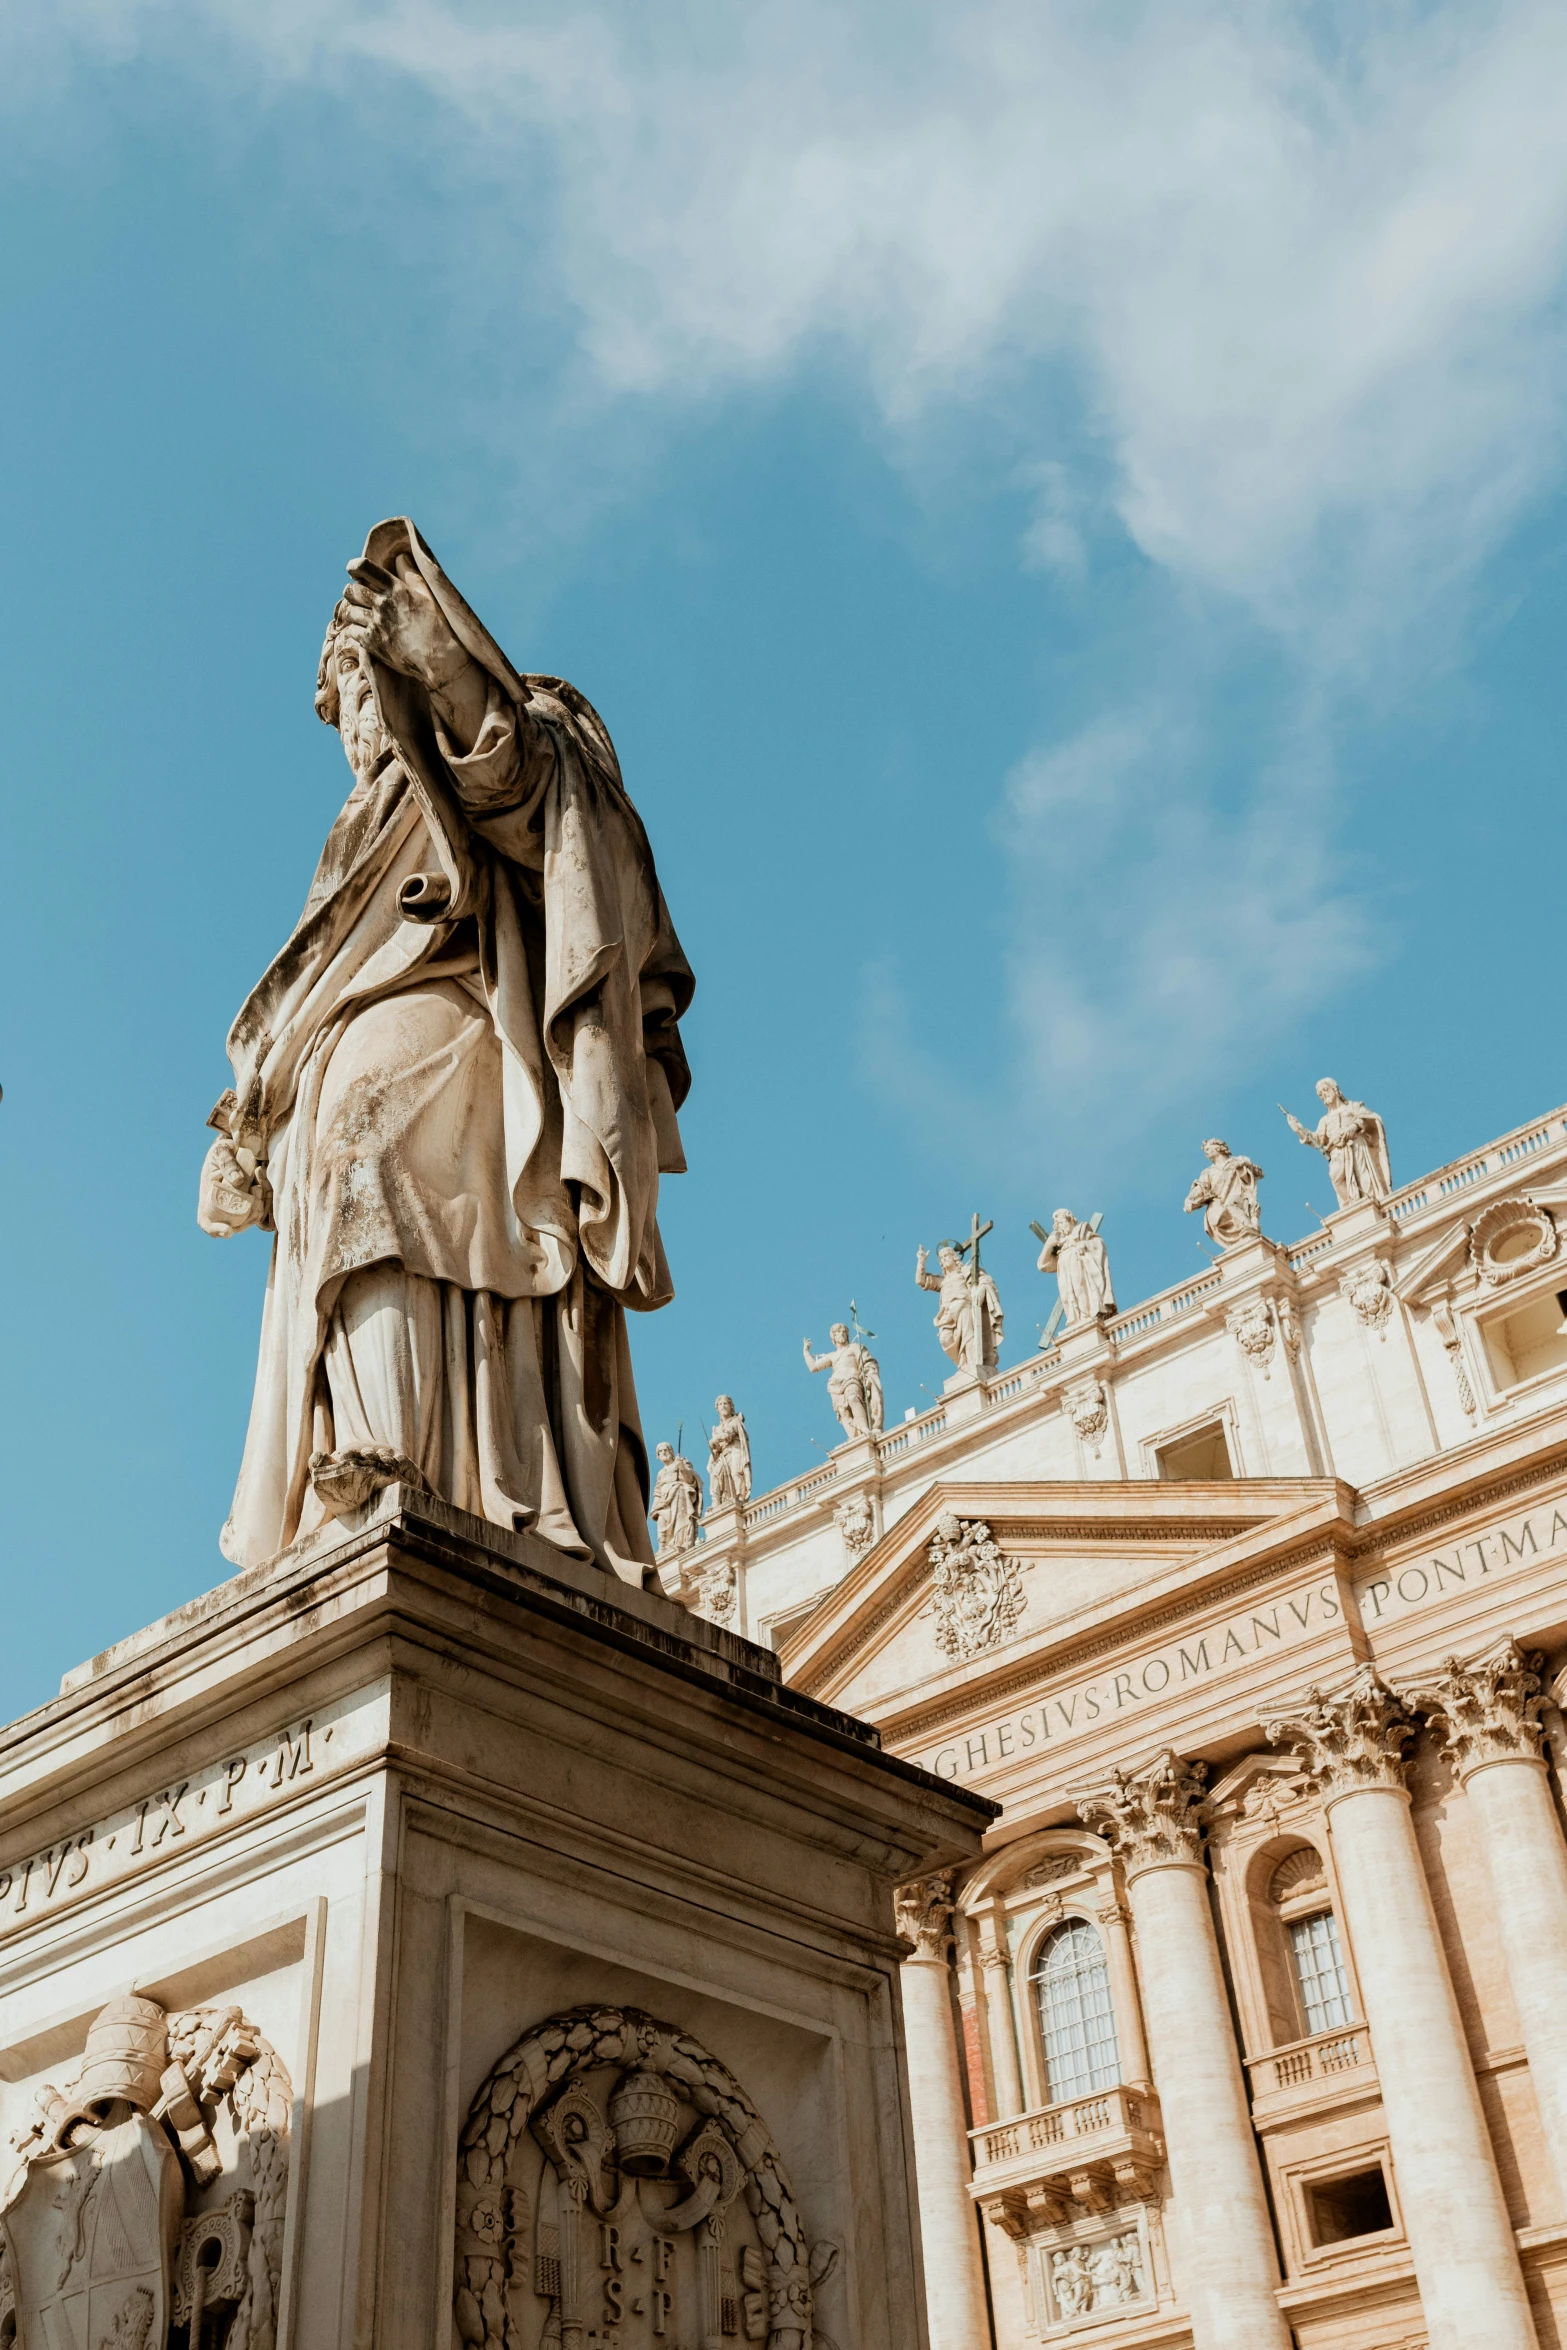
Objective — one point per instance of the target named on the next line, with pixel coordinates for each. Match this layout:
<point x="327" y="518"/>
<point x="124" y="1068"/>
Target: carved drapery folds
<point x="1355" y="1739"/>
<point x="1151" y="1815"/>
<point x="925" y="1914"/>
<point x="1486" y="1711"/>
<point x="612" y="2168"/>
<point x="160" y="2230"/>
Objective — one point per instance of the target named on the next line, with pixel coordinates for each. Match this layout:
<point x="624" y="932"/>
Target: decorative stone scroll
<point x="1487" y="1711"/>
<point x="1087" y="1406"/>
<point x="1151" y="1815"/>
<point x="1368" y="1289"/>
<point x="1252" y="1328"/>
<point x="978" y="1594"/>
<point x="855" y="1519"/>
<point x="123" y="2220"/>
<point x="1445" y="1323"/>
<point x="616" y="2183"/>
<point x="1356" y="1739"/>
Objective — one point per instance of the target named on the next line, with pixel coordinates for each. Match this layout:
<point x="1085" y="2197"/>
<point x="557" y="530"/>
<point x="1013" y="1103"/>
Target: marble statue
<point x="728" y="1458"/>
<point x="853" y="1382"/>
<point x="676" y="1503"/>
<point x="1227" y="1192"/>
<point x="1080" y="1262"/>
<point x="454" y="1093"/>
<point x="968" y="1318"/>
<point x="1353" y="1140"/>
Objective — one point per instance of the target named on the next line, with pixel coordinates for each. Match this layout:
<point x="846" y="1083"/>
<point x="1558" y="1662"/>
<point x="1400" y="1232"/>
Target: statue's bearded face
<point x="358" y="720"/>
<point x="840" y="1334"/>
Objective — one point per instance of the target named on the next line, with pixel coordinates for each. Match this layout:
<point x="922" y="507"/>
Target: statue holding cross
<point x="968" y="1318"/>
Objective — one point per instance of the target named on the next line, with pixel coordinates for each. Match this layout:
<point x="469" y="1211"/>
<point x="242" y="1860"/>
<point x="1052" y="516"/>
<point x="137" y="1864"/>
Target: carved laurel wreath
<point x="579" y="2041"/>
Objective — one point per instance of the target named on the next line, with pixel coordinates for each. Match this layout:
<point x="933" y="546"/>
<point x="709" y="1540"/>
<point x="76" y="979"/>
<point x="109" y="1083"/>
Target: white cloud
<point x="1301" y="266"/>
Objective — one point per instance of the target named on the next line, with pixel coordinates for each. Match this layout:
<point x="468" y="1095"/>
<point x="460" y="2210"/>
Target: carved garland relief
<point x="149" y="2190"/>
<point x="616" y="2185"/>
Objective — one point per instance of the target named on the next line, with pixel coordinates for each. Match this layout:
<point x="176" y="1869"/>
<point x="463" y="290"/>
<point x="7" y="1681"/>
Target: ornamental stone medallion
<point x="148" y="2193"/>
<point x="979" y="1595"/>
<point x="617" y="2186"/>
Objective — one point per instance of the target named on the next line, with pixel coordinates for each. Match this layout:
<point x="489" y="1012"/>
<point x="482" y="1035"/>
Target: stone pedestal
<point x="513" y="1957"/>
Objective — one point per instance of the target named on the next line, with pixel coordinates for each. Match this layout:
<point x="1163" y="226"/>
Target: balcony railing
<point x="1120" y="2110"/>
<point x="1324" y="2057"/>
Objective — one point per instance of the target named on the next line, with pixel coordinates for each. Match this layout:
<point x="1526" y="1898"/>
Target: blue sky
<point x="1061" y="509"/>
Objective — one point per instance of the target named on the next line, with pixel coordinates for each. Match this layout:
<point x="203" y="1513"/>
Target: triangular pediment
<point x="934" y="1604"/>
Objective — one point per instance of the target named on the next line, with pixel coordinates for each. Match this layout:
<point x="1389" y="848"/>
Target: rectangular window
<point x="1203" y="1454"/>
<point x="1319" y="1969"/>
<point x="1344" y="2208"/>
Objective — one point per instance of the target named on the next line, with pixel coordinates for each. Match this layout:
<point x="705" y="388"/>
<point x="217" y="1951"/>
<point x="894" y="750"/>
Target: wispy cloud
<point x="1301" y="268"/>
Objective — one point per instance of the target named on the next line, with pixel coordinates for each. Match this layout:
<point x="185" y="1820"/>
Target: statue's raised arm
<point x="455" y="1091"/>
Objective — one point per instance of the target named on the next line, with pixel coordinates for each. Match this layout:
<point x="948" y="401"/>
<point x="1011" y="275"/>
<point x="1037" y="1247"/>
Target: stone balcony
<point x="1321" y="2070"/>
<point x="1038" y="2169"/>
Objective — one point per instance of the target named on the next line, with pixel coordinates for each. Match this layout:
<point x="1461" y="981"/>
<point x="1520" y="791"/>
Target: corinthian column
<point x="1466" y="2262"/>
<point x="1229" y="2268"/>
<point x="949" y="2224"/>
<point x="1489" y="1715"/>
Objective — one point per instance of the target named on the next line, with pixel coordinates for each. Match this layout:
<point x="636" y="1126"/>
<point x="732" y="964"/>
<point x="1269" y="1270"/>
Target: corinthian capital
<point x="1488" y="1710"/>
<point x="1150" y="1815"/>
<point x="1355" y="1739"/>
<point x="924" y="1911"/>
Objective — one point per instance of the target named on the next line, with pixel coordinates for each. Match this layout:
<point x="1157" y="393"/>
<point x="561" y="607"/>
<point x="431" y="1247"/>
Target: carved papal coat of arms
<point x="978" y="1594"/>
<point x="123" y="2222"/>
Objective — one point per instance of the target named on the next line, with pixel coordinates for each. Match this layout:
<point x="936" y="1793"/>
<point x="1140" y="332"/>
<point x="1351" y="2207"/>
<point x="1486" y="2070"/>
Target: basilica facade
<point x="1248" y="1606"/>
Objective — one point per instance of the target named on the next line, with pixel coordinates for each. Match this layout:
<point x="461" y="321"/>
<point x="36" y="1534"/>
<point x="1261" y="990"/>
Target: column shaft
<point x="1528" y="1862"/>
<point x="1123" y="1990"/>
<point x="1460" y="2238"/>
<point x="1005" y="2057"/>
<point x="1229" y="2265"/>
<point x="949" y="2223"/>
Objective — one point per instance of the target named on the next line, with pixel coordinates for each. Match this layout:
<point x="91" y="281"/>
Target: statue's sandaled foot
<point x="344" y="1481"/>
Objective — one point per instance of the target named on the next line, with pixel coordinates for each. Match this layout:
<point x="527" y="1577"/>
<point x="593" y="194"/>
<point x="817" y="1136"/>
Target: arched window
<point x="1072" y="1985"/>
<point x="1319" y="1970"/>
<point x="1298" y="1887"/>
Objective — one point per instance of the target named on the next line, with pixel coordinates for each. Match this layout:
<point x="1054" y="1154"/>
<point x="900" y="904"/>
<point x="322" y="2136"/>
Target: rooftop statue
<point x="969" y="1318"/>
<point x="1227" y="1191"/>
<point x="454" y="1093"/>
<point x="853" y="1383"/>
<point x="676" y="1504"/>
<point x="1353" y="1140"/>
<point x="1077" y="1256"/>
<point x="728" y="1458"/>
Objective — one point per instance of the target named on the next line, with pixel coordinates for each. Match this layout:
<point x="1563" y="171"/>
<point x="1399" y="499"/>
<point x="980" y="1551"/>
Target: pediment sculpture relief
<point x="148" y="2190"/>
<point x="616" y="2185"/>
<point x="978" y="1594"/>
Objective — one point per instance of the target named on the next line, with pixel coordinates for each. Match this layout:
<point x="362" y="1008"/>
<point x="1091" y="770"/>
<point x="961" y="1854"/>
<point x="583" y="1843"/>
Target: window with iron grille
<point x="1072" y="1985"/>
<point x="1319" y="1970"/>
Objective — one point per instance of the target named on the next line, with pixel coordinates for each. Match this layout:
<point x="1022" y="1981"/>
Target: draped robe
<point x="462" y="1075"/>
